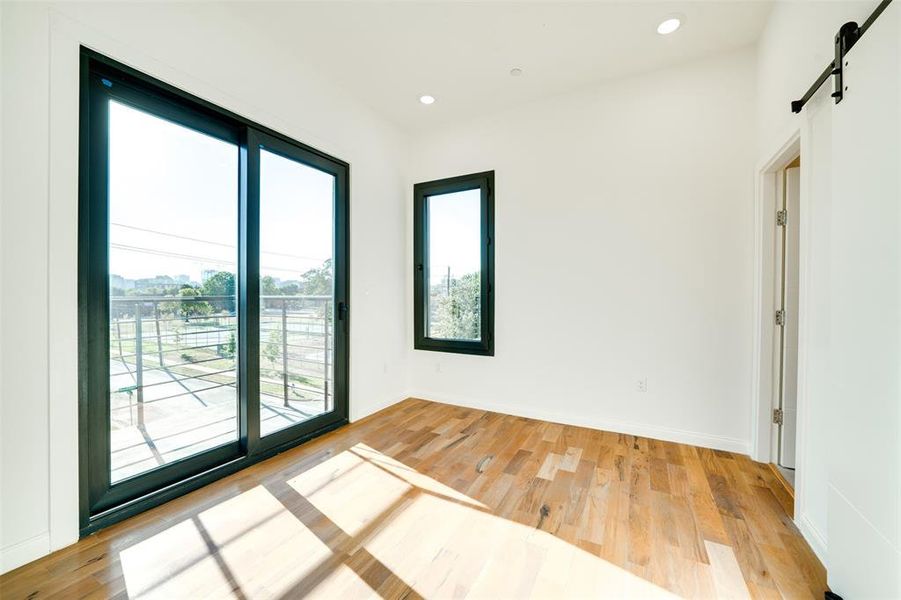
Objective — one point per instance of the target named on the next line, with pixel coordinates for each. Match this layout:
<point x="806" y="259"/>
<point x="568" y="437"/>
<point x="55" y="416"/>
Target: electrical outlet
<point x="642" y="385"/>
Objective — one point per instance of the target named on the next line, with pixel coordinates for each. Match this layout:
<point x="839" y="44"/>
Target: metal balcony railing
<point x="193" y="339"/>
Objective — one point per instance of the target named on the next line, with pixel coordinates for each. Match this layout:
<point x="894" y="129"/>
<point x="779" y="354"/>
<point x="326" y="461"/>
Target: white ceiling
<point x="389" y="53"/>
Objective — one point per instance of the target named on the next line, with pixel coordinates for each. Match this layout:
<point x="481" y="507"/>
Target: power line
<point x="202" y="241"/>
<point x="219" y="261"/>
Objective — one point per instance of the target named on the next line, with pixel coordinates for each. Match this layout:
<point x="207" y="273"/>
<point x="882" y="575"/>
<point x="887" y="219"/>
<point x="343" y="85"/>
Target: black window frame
<point x="484" y="182"/>
<point x="101" y="502"/>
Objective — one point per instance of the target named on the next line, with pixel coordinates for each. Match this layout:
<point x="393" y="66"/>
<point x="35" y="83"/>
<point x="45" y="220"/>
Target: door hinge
<point x="780" y="317"/>
<point x="781" y="217"/>
<point x="777" y="416"/>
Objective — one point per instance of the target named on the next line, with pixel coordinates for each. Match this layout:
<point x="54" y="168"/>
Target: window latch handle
<point x="342" y="310"/>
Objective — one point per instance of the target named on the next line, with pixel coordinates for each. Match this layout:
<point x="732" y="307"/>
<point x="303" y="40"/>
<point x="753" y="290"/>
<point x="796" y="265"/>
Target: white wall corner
<point x="356" y="415"/>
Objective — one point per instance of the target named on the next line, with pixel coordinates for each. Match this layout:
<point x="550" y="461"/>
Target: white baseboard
<point x="814" y="537"/>
<point x="20" y="553"/>
<point x="668" y="434"/>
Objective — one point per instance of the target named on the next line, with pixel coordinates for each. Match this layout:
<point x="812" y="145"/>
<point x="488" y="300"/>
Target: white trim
<point x="762" y="429"/>
<point x="801" y="451"/>
<point x="21" y="553"/>
<point x="814" y="537"/>
<point x="62" y="283"/>
<point x="763" y="304"/>
<point x="668" y="434"/>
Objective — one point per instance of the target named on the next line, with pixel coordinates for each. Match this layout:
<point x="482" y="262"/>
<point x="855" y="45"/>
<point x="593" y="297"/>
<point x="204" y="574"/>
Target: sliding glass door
<point x="212" y="288"/>
<point x="173" y="261"/>
<point x="297" y="214"/>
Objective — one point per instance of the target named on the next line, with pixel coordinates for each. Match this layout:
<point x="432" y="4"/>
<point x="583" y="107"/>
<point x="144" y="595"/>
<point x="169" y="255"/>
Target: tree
<point x="318" y="282"/>
<point x="221" y="283"/>
<point x="290" y="289"/>
<point x="458" y="313"/>
<point x="272" y="351"/>
<point x="187" y="308"/>
<point x="268" y="287"/>
<point x="227" y="350"/>
<point x="192" y="308"/>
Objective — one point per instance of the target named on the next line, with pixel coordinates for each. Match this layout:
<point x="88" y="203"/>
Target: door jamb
<point x="763" y="335"/>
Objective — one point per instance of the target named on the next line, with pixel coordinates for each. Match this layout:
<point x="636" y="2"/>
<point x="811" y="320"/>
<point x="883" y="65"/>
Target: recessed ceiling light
<point x="515" y="71"/>
<point x="427" y="99"/>
<point x="669" y="25"/>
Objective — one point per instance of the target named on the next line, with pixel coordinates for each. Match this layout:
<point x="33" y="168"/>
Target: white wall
<point x="24" y="445"/>
<point x="191" y="45"/>
<point x="624" y="236"/>
<point x="793" y="50"/>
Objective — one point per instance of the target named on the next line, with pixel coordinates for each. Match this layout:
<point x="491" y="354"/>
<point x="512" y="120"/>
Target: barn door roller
<point x="845" y="39"/>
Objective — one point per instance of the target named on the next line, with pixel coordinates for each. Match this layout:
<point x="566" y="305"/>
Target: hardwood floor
<point x="436" y="501"/>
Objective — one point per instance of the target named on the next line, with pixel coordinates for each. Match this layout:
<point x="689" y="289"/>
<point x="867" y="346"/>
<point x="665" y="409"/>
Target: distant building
<point x="119" y="282"/>
<point x="158" y="281"/>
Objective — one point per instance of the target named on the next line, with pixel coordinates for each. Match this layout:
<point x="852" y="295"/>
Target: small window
<point x="454" y="264"/>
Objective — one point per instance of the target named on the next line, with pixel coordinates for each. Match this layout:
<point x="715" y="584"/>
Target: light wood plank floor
<point x="436" y="501"/>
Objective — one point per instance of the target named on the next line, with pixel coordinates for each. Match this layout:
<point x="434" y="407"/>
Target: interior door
<point x="791" y="198"/>
<point x="864" y="410"/>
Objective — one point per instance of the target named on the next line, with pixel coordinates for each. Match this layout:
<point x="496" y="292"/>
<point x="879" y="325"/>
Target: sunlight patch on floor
<point x="173" y="563"/>
<point x="356" y="491"/>
<point x="327" y="531"/>
<point x="263" y="551"/>
<point x="443" y="543"/>
<point x="444" y="549"/>
<point x="412" y="476"/>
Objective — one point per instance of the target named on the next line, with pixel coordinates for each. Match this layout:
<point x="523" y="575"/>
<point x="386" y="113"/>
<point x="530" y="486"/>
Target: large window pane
<point x="296" y="292"/>
<point x="454" y="266"/>
<point x="172" y="262"/>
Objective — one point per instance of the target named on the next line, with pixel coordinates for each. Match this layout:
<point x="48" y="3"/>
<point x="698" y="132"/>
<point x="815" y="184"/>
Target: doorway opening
<point x="786" y="301"/>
